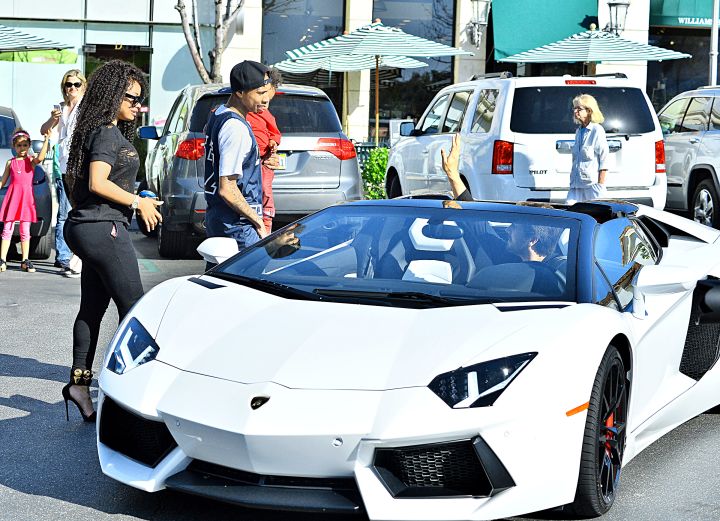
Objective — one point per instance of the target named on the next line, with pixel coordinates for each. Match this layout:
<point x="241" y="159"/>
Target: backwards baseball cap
<point x="248" y="75"/>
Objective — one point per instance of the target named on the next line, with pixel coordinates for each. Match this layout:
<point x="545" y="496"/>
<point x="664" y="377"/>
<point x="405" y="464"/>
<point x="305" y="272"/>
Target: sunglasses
<point x="76" y="84"/>
<point x="134" y="100"/>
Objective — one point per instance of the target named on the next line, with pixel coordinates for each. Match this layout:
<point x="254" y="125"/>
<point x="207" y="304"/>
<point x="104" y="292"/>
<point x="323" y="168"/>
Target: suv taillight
<point x="659" y="157"/>
<point x="502" y="160"/>
<point x="341" y="148"/>
<point x="191" y="149"/>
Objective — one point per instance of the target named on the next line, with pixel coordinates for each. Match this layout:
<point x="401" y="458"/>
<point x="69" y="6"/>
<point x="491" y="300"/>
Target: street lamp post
<point x="618" y="14"/>
<point x="478" y="22"/>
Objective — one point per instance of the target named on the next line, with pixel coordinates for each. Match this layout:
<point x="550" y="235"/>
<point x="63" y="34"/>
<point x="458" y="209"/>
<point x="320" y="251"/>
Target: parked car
<point x="320" y="163"/>
<point x="517" y="135"/>
<point x="449" y="379"/>
<point x="41" y="240"/>
<point x="691" y="125"/>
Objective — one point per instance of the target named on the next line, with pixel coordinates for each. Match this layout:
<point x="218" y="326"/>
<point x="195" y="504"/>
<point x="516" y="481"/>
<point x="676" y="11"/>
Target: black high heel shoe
<point x="78" y="377"/>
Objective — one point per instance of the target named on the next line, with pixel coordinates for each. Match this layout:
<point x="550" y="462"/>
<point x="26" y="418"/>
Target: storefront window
<point x="406" y="93"/>
<point x="670" y="77"/>
<point x="288" y="24"/>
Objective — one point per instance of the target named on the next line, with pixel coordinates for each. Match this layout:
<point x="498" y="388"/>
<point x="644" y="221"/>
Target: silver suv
<point x="320" y="163"/>
<point x="691" y="127"/>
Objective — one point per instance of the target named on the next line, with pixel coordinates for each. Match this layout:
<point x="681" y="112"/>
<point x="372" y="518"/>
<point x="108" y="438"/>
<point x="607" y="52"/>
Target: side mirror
<point x="407" y="128"/>
<point x="36" y="145"/>
<point x="660" y="280"/>
<point x="150" y="132"/>
<point x="217" y="249"/>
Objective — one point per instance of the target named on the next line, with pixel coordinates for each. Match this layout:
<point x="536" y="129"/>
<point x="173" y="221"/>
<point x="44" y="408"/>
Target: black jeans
<point x="110" y="271"/>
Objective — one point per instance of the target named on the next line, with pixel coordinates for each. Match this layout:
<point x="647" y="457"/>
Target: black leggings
<point x="109" y="271"/>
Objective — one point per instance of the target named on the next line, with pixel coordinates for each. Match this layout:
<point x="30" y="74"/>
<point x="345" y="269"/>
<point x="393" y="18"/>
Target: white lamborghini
<point x="419" y="359"/>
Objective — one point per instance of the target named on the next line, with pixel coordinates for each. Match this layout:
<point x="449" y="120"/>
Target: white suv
<point x="691" y="125"/>
<point x="517" y="135"/>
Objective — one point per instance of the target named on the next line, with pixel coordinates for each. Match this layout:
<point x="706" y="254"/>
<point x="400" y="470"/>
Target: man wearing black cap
<point x="233" y="179"/>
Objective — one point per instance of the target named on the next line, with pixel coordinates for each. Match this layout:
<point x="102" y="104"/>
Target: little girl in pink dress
<point x="19" y="202"/>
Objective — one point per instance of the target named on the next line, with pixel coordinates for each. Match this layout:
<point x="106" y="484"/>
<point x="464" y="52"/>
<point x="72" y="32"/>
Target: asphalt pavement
<point x="49" y="468"/>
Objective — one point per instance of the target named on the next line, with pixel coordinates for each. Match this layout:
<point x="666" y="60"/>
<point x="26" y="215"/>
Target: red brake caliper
<point x="609" y="423"/>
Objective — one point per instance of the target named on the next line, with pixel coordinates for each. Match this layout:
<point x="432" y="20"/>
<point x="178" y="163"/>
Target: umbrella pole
<point x="377" y="100"/>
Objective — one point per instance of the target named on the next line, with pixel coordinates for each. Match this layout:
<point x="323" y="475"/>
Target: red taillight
<point x="580" y="82"/>
<point x="340" y="148"/>
<point x="659" y="157"/>
<point x="502" y="161"/>
<point x="191" y="149"/>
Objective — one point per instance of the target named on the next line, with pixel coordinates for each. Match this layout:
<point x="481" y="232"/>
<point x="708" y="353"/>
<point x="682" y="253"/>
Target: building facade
<point x="148" y="33"/>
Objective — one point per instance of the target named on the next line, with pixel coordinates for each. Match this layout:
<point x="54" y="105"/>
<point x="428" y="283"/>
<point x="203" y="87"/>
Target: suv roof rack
<point x="605" y="75"/>
<point x="502" y="75"/>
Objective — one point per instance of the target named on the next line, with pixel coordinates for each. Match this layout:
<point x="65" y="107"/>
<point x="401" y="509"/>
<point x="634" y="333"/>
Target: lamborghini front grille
<point x="442" y="469"/>
<point x="145" y="441"/>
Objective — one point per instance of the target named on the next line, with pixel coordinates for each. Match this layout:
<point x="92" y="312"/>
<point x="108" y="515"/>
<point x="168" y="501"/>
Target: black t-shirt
<point x="106" y="144"/>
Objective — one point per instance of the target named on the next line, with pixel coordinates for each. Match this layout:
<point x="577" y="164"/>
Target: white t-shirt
<point x="235" y="145"/>
<point x="65" y="130"/>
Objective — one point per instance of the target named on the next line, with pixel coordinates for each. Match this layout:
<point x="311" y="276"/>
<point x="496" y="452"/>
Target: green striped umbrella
<point x="347" y="63"/>
<point x="378" y="41"/>
<point x="594" y="46"/>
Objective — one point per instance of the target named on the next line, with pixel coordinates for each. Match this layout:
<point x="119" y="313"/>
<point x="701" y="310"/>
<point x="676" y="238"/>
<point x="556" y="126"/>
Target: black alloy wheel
<point x="704" y="208"/>
<point x="604" y="439"/>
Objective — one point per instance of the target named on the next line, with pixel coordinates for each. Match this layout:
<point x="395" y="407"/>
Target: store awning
<point x="12" y="40"/>
<point x="681" y="13"/>
<point x="521" y="25"/>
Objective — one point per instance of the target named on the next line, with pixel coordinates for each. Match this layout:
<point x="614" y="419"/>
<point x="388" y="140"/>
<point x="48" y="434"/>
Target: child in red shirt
<point x="268" y="137"/>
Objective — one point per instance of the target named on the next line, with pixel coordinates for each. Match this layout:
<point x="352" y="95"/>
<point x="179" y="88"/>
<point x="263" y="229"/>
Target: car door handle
<point x="425" y="152"/>
<point x="694" y="140"/>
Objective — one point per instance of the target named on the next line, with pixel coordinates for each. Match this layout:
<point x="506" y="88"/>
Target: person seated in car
<point x="526" y="242"/>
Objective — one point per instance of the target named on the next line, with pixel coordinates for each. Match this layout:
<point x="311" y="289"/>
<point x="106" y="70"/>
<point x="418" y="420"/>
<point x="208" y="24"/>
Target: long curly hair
<point x="105" y="92"/>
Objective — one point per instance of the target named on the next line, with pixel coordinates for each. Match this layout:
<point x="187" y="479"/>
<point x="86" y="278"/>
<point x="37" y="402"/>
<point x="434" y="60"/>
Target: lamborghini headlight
<point x="133" y="347"/>
<point x="481" y="384"/>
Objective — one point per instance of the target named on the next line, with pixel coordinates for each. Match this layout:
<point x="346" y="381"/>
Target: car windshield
<point x="294" y="114"/>
<point x="415" y="256"/>
<point x="548" y="110"/>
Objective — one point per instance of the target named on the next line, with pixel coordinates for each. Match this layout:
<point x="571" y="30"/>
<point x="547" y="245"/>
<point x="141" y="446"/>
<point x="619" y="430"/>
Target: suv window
<point x="7" y="125"/>
<point x="484" y="110"/>
<point x="202" y="110"/>
<point x="431" y="123"/>
<point x="621" y="250"/>
<point x="696" y="116"/>
<point x="548" y="110"/>
<point x="456" y="111"/>
<point x="715" y="115"/>
<point x="297" y="114"/>
<point x="671" y="118"/>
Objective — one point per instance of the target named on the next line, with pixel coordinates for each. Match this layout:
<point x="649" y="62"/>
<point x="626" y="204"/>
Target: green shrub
<point x="373" y="173"/>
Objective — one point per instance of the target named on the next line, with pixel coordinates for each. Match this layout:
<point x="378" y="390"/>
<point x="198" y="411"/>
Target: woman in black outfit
<point x="101" y="175"/>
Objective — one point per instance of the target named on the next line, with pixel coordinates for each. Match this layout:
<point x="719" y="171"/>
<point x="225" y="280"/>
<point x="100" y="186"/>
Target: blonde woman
<point x="589" y="153"/>
<point x="62" y="118"/>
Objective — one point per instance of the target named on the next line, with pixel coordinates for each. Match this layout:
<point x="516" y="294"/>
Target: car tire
<point x="704" y="205"/>
<point x="395" y="189"/>
<point x="604" y="439"/>
<point x="41" y="247"/>
<point x="172" y="244"/>
<point x="144" y="186"/>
